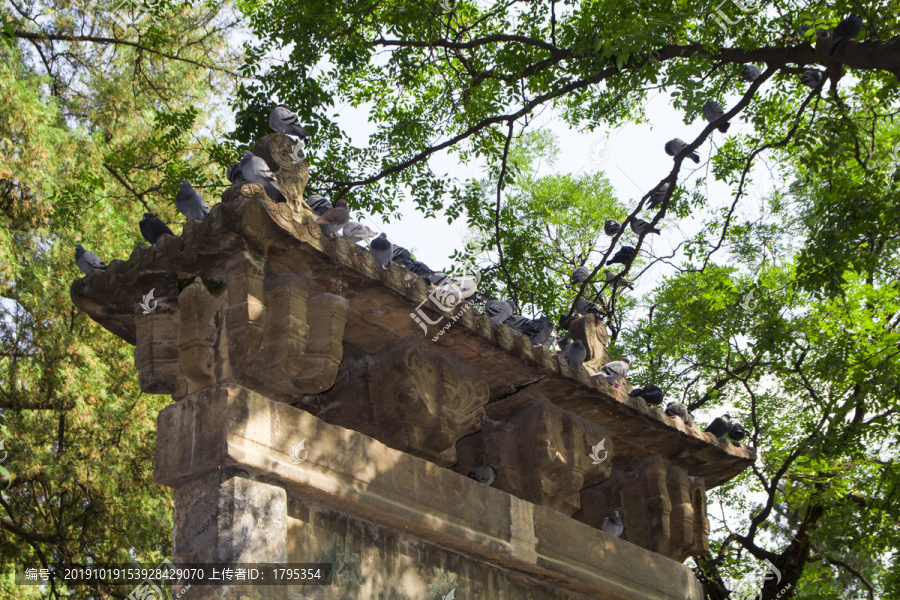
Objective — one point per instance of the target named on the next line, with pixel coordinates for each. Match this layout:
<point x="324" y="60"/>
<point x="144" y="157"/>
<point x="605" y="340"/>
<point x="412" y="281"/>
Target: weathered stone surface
<point x="592" y="333"/>
<point x="541" y="452"/>
<point x="389" y="518"/>
<point x="410" y="397"/>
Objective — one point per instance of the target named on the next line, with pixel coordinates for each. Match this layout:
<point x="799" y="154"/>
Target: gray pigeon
<point x="719" y="426"/>
<point x="613" y="525"/>
<point x="484" y="475"/>
<point x="518" y="323"/>
<point x="563" y="343"/>
<point x="319" y="204"/>
<point x="580" y="274"/>
<point x="233" y="173"/>
<point x="713" y="112"/>
<point x="611" y="227"/>
<point x="674" y="147"/>
<point x="381" y="249"/>
<point x="845" y="31"/>
<point x="621" y="282"/>
<point x="614" y="371"/>
<point x="357" y="232"/>
<point x="736" y="432"/>
<point x="282" y="119"/>
<point x="87" y="261"/>
<point x="677" y="409"/>
<point x="623" y="256"/>
<point x="650" y="393"/>
<point x="749" y="73"/>
<point x="253" y="169"/>
<point x="190" y="202"/>
<point x="658" y="195"/>
<point x="811" y="78"/>
<point x="540" y="330"/>
<point x="419" y="268"/>
<point x="333" y="221"/>
<point x="152" y="228"/>
<point x="639" y="226"/>
<point x="575" y="354"/>
<point x="498" y="311"/>
<point x="584" y="307"/>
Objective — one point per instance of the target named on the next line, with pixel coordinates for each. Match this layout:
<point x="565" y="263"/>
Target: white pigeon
<point x="357" y="232"/>
<point x="614" y="371"/>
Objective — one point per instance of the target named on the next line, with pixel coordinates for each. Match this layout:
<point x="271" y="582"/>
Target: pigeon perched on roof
<point x="614" y="371"/>
<point x="563" y="343"/>
<point x="382" y="250"/>
<point x="484" y="475"/>
<point x="623" y="256"/>
<point x="498" y="310"/>
<point x="333" y="221"/>
<point x="639" y="226"/>
<point x="750" y="72"/>
<point x="811" y="78"/>
<point x="518" y="323"/>
<point x="152" y="228"/>
<point x="357" y="232"/>
<point x="580" y="274"/>
<point x="845" y="31"/>
<point x="620" y="282"/>
<point x="658" y="195"/>
<point x="677" y="409"/>
<point x="419" y="268"/>
<point x="283" y="120"/>
<point x="650" y="393"/>
<point x="613" y="525"/>
<point x="584" y="307"/>
<point x="233" y="173"/>
<point x="713" y="112"/>
<point x="575" y="353"/>
<point x="254" y="169"/>
<point x="87" y="261"/>
<point x="319" y="204"/>
<point x="674" y="147"/>
<point x="190" y="202"/>
<point x="540" y="330"/>
<point x="611" y="227"/>
<point x="736" y="431"/>
<point x="719" y="426"/>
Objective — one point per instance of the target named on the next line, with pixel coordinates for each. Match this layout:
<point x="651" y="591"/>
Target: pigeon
<point x="484" y="475"/>
<point x="749" y="73"/>
<point x="585" y="307"/>
<point x="613" y="524"/>
<point x="152" y="228"/>
<point x="253" y="169"/>
<point x="437" y="278"/>
<point x="580" y="274"/>
<point x="736" y="431"/>
<point x="87" y="261"/>
<point x="357" y="232"/>
<point x="190" y="202"/>
<point x="621" y="282"/>
<point x="719" y="426"/>
<point x="611" y="227"/>
<point x="498" y="311"/>
<point x="319" y="204"/>
<point x="811" y="78"/>
<point x="233" y="173"/>
<point x="381" y="249"/>
<point x="650" y="393"/>
<point x="332" y="221"/>
<point x="563" y="343"/>
<point x="674" y="147"/>
<point x="639" y="226"/>
<point x="623" y="256"/>
<point x="845" y="31"/>
<point x="402" y="257"/>
<point x="575" y="354"/>
<point x="614" y="371"/>
<point x="283" y="120"/>
<point x="518" y="323"/>
<point x="713" y="112"/>
<point x="419" y="268"/>
<point x="677" y="409"/>
<point x="658" y="195"/>
<point x="540" y="330"/>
